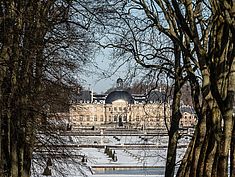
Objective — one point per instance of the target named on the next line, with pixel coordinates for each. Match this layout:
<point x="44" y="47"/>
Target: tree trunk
<point x="173" y="135"/>
<point x="17" y="94"/>
<point x="202" y="137"/>
<point x="175" y="117"/>
<point x="199" y="142"/>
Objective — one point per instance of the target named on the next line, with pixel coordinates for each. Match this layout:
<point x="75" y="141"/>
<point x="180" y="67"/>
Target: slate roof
<point x="187" y="109"/>
<point x="156" y="96"/>
<point x="86" y="96"/>
<point x="83" y="96"/>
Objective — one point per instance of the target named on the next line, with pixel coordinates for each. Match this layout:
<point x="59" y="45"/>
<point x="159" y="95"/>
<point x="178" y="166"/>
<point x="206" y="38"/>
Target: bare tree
<point x="133" y="36"/>
<point x="202" y="32"/>
<point x="42" y="45"/>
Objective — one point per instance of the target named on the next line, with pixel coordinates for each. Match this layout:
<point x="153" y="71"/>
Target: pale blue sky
<point x="100" y="75"/>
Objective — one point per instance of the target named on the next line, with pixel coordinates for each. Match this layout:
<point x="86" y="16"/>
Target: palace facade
<point x="120" y="109"/>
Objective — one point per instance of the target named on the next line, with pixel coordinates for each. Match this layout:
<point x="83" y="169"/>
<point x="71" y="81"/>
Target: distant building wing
<point x="83" y="96"/>
<point x="156" y="96"/>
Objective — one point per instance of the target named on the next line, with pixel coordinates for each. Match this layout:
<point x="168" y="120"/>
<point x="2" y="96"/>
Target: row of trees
<point x="185" y="41"/>
<point x="42" y="46"/>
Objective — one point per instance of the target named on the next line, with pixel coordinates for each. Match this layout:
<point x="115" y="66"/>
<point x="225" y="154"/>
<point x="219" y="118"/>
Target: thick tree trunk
<point x="202" y="147"/>
<point x="199" y="156"/>
<point x="173" y="135"/>
<point x="184" y="163"/>
<point x="175" y="117"/>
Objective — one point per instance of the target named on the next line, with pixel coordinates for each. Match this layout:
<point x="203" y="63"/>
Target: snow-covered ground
<point x="136" y="156"/>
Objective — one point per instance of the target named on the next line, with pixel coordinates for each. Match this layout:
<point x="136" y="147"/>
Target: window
<point x="101" y="118"/>
<point x="137" y="118"/>
<point x="115" y="118"/>
<point x="120" y="108"/>
<point x="95" y="118"/>
<point x="88" y="118"/>
<point x="115" y="108"/>
<point x="81" y="118"/>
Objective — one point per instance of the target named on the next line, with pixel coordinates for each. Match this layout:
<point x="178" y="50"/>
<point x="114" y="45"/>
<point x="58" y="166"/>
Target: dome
<point x="119" y="95"/>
